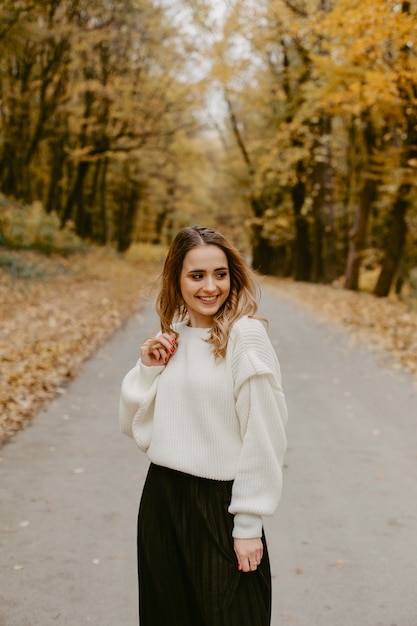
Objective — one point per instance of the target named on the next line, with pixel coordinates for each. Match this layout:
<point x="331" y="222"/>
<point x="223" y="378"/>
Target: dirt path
<point x="343" y="543"/>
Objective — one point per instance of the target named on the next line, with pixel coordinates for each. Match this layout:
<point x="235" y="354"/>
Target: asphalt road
<point x="343" y="543"/>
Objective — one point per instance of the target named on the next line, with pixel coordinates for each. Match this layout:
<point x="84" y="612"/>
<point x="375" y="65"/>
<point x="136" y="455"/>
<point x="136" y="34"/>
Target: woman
<point x="205" y="402"/>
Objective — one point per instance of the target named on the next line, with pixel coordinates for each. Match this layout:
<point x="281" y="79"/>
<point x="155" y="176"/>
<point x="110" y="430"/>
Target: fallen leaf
<point x="50" y="326"/>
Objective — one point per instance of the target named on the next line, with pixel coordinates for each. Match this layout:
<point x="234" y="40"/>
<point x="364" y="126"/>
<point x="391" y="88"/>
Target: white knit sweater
<point x="220" y="419"/>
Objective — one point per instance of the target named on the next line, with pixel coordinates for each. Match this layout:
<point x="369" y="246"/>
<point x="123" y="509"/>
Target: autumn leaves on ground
<point x="56" y="312"/>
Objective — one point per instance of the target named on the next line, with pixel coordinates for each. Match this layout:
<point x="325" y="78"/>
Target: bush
<point x="30" y="227"/>
<point x="147" y="252"/>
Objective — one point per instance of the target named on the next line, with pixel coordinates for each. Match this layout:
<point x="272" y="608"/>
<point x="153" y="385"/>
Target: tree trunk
<point x="324" y="266"/>
<point x="125" y="216"/>
<point x="267" y="259"/>
<point x="54" y="194"/>
<point x="167" y="210"/>
<point x="104" y="234"/>
<point x="395" y="244"/>
<point x="75" y="199"/>
<point x="357" y="235"/>
<point x="301" y="247"/>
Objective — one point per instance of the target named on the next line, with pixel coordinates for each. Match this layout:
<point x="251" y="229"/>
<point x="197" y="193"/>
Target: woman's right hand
<point x="157" y="351"/>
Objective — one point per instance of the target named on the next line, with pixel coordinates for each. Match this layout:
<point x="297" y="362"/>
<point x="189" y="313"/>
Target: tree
<point x="79" y="99"/>
<point x="407" y="88"/>
<point x="370" y="60"/>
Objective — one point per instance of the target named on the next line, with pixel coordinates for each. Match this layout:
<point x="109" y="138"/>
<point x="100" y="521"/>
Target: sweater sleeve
<point x="137" y="402"/>
<point x="262" y="414"/>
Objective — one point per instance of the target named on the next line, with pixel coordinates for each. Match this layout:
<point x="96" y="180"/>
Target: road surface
<point x="343" y="543"/>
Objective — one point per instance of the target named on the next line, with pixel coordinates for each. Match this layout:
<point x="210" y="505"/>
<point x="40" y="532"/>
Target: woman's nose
<point x="209" y="285"/>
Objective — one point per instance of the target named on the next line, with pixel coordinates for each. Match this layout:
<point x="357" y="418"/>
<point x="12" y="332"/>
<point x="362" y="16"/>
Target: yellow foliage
<point x="32" y="227"/>
<point x="139" y="252"/>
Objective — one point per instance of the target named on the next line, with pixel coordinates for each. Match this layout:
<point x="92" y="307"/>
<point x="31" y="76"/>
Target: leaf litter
<point x="51" y="325"/>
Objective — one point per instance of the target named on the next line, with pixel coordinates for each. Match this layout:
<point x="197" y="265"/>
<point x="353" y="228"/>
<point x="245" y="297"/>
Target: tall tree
<point x="407" y="89"/>
<point x="89" y="85"/>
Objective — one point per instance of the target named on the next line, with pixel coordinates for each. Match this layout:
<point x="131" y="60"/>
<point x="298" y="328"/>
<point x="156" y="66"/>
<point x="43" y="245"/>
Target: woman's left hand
<point x="249" y="553"/>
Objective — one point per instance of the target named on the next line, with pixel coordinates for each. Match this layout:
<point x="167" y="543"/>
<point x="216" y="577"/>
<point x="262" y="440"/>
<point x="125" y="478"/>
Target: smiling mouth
<point x="208" y="300"/>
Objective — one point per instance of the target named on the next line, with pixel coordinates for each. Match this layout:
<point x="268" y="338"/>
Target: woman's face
<point x="204" y="283"/>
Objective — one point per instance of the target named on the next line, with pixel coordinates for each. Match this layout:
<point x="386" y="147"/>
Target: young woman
<point x="205" y="403"/>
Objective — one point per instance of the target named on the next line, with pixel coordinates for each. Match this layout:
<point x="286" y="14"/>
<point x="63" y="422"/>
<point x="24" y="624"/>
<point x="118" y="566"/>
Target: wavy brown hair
<point x="242" y="299"/>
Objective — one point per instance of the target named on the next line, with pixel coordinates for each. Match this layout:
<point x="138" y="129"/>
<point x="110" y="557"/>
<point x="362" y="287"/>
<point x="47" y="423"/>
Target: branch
<point x="298" y="10"/>
<point x="237" y="132"/>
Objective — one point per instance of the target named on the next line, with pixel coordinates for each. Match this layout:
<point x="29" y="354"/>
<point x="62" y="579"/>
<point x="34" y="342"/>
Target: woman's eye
<point x="218" y="276"/>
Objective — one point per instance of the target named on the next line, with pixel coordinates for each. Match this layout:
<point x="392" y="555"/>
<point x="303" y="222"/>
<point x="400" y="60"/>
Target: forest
<point x="290" y="125"/>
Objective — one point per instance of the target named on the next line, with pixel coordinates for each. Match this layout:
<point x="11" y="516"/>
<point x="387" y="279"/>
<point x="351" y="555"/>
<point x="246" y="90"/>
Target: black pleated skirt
<point x="187" y="567"/>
